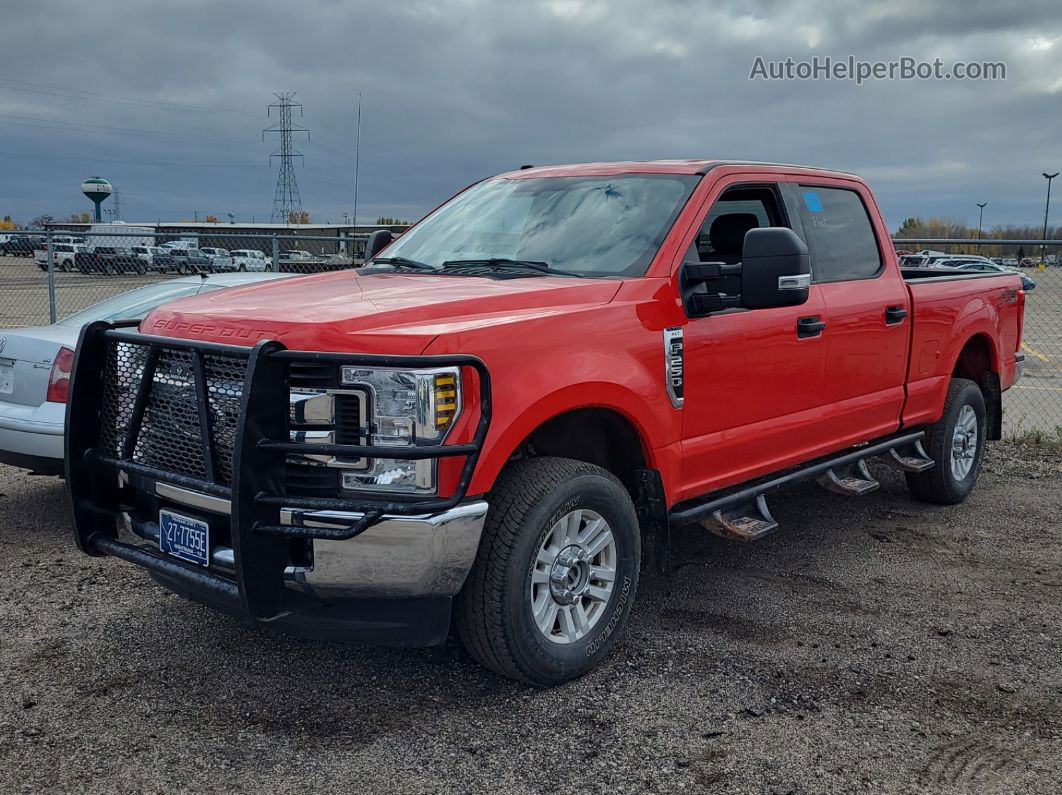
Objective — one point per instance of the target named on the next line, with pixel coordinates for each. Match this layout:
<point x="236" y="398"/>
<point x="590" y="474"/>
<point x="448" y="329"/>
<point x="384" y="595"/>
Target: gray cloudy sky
<point x="455" y="90"/>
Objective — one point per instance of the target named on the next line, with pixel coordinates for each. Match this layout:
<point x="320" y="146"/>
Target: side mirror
<point x="775" y="271"/>
<point x="378" y="241"/>
<point x="775" y="268"/>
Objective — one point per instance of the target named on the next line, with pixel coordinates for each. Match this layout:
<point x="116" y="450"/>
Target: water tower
<point x="97" y="189"/>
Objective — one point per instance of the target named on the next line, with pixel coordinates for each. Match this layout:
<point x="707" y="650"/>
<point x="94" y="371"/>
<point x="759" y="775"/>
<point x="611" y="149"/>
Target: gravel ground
<point x="877" y="645"/>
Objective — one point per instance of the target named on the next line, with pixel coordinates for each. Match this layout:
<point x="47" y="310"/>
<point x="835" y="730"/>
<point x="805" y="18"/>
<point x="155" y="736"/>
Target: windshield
<point x="592" y="226"/>
<point x="134" y="304"/>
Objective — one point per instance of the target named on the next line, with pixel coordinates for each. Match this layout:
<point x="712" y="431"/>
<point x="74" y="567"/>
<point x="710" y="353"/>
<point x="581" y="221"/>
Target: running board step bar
<point x="742" y="513"/>
<point x="851" y="480"/>
<point x="749" y="522"/>
<point x="909" y="458"/>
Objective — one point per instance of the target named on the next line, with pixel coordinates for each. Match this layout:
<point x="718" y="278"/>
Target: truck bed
<point x="950" y="308"/>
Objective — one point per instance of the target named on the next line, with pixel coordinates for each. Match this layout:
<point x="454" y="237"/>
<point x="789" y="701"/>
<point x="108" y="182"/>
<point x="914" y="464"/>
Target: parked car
<point x="63" y="256"/>
<point x="109" y="259"/>
<point x="147" y="254"/>
<point x="1011" y="262"/>
<point x="249" y="259"/>
<point x="182" y="260"/>
<point x="491" y="425"/>
<point x="295" y="255"/>
<point x="220" y="259"/>
<point x="914" y="261"/>
<point x="35" y="367"/>
<point x="979" y="265"/>
<point x="182" y="243"/>
<point x="71" y="239"/>
<point x="20" y="245"/>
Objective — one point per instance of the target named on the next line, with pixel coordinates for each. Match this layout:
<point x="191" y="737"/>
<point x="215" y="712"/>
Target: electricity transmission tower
<point x="286" y="199"/>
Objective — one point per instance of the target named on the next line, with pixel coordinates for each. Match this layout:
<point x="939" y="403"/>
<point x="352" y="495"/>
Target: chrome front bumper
<point x="400" y="557"/>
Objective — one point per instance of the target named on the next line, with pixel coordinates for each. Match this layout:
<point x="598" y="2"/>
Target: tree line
<point x="939" y="227"/>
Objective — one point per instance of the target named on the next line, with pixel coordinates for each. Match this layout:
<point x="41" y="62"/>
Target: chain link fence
<point x="45" y="277"/>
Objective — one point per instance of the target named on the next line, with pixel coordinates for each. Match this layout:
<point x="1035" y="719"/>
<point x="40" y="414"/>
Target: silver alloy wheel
<point x="964" y="443"/>
<point x="573" y="576"/>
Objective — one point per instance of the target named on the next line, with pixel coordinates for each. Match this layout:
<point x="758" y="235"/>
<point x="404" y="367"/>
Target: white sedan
<point x="35" y="366"/>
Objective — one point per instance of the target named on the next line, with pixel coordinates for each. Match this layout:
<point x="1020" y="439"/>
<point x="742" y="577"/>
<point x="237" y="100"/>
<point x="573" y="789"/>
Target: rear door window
<point x="839" y="234"/>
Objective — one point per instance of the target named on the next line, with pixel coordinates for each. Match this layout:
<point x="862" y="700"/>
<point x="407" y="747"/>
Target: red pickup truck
<point x="507" y="409"/>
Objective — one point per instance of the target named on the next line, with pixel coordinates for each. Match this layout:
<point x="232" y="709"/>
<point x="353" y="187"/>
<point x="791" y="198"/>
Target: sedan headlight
<point x="408" y="408"/>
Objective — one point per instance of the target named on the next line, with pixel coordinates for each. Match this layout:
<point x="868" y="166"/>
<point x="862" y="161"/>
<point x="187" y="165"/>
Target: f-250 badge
<point x="673" y="365"/>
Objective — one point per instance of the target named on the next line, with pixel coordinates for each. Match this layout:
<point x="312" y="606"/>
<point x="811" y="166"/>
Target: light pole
<point x="1047" y="209"/>
<point x="980" y="216"/>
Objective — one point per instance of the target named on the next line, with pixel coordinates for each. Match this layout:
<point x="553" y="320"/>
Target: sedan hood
<point x="394" y="313"/>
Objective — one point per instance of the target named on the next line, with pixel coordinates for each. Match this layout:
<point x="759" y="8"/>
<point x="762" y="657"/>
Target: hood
<point x="394" y="313"/>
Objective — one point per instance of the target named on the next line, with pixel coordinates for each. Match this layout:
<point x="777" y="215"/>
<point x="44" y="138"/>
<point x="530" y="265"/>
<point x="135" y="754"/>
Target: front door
<point x="753" y="378"/>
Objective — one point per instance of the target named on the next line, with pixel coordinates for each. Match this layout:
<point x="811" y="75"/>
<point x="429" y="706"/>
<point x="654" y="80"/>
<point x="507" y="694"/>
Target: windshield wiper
<point x="404" y="262"/>
<point x="507" y="263"/>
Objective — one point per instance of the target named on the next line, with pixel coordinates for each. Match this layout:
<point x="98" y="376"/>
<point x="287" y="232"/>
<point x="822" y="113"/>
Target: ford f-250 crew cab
<point x="543" y="379"/>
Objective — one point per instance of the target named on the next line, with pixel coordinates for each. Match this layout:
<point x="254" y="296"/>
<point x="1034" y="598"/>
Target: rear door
<point x="867" y="307"/>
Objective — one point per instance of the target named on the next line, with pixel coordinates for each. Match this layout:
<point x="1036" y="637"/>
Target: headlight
<point x="408" y="408"/>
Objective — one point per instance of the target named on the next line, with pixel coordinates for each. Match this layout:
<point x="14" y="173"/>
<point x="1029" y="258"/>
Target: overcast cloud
<point x="455" y="90"/>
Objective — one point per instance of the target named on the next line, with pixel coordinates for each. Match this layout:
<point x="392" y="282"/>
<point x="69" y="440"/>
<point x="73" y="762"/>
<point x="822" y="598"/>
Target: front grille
<point x="312" y="375"/>
<point x="171" y="432"/>
<point x="350" y="419"/>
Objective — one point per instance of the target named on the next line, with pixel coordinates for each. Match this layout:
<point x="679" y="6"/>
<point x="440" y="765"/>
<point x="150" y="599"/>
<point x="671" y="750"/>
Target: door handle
<point x="894" y="315"/>
<point x="810" y="326"/>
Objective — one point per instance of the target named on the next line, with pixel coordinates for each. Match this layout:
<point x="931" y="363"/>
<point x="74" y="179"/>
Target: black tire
<point x="493" y="612"/>
<point x="243" y="269"/>
<point x="940" y="484"/>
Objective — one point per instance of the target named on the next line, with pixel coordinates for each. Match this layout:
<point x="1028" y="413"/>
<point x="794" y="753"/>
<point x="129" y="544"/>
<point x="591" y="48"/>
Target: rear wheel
<point x="556" y="572"/>
<point x="956" y="442"/>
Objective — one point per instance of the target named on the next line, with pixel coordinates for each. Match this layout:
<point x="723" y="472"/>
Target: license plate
<point x="184" y="537"/>
<point x="7" y="378"/>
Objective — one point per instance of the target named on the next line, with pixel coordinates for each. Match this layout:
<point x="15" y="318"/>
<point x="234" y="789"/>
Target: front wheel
<point x="956" y="442"/>
<point x="556" y="572"/>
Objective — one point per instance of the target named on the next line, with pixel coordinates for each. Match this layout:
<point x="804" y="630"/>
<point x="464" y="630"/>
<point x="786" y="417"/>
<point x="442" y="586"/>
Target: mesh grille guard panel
<point x="171" y="432"/>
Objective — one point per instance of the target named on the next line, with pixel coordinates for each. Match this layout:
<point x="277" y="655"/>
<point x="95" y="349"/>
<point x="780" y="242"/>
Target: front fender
<point x="544" y="373"/>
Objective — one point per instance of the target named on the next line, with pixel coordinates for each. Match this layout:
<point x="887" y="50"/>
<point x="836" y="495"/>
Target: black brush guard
<point x="257" y="492"/>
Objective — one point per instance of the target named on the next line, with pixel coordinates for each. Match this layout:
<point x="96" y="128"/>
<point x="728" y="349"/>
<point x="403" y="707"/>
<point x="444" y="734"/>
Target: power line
<point x="286" y="199"/>
<point x="60" y="123"/>
<point x="93" y="159"/>
<point x="70" y="93"/>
